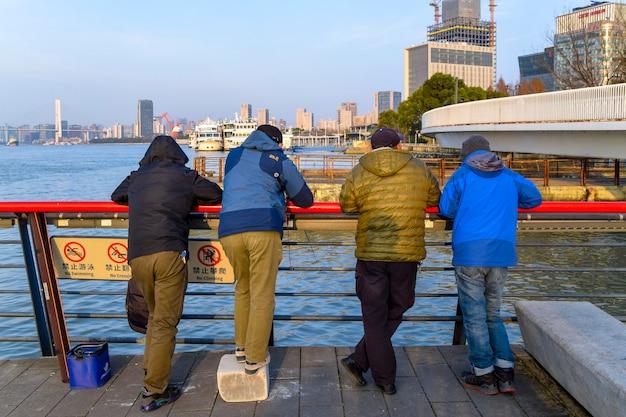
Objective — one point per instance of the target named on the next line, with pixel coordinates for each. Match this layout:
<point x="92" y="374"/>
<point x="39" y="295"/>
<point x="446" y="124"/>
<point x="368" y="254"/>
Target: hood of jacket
<point x="384" y="162"/>
<point x="485" y="161"/>
<point x="260" y="141"/>
<point x="164" y="148"/>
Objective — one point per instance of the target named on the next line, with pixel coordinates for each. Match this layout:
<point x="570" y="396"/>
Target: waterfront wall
<point x="330" y="192"/>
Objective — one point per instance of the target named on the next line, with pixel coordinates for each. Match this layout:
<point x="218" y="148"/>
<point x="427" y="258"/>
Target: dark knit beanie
<point x="272" y="131"/>
<point x="385" y="137"/>
<point x="472" y="144"/>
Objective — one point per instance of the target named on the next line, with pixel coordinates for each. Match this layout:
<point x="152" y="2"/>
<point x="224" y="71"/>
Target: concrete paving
<point x="304" y="382"/>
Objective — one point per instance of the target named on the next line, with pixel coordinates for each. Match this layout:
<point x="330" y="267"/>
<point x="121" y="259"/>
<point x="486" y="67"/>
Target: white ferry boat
<point x="206" y="136"/>
<point x="234" y="132"/>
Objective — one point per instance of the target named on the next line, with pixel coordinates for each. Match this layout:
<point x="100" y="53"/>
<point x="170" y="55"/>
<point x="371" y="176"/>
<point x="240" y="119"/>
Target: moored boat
<point x="234" y="132"/>
<point x="206" y="136"/>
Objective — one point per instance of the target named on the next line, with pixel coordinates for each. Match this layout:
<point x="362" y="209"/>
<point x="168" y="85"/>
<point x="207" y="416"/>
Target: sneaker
<point x="486" y="384"/>
<point x="251" y="368"/>
<point x="152" y="401"/>
<point x="240" y="355"/>
<point x="505" y="377"/>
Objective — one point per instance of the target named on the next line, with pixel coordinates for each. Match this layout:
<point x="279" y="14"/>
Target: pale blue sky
<point x="200" y="58"/>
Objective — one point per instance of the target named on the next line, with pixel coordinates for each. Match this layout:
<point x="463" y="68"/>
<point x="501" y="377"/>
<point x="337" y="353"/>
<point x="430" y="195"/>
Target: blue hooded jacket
<point x="483" y="197"/>
<point x="257" y="178"/>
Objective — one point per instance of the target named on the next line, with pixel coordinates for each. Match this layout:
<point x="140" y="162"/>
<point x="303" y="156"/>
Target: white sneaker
<point x="252" y="367"/>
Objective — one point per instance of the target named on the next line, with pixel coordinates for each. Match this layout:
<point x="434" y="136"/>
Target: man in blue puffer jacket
<point x="258" y="177"/>
<point x="483" y="197"/>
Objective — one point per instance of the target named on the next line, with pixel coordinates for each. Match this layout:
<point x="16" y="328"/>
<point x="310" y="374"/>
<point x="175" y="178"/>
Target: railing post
<point x="442" y="171"/>
<point x="46" y="343"/>
<point x="546" y="173"/>
<point x="50" y="286"/>
<point x="221" y="170"/>
<point x="458" y="337"/>
<point x="616" y="178"/>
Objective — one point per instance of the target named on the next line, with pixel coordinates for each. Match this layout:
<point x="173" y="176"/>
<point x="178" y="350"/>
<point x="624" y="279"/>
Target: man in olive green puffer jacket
<point x="390" y="189"/>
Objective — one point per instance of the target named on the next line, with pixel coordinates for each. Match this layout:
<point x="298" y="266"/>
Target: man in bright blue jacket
<point x="258" y="178"/>
<point x="483" y="197"/>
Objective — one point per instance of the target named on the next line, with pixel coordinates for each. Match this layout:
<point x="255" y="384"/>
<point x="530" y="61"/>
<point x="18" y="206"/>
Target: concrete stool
<point x="582" y="347"/>
<point x="235" y="385"/>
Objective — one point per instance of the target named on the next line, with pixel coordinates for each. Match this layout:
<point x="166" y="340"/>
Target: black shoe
<point x="388" y="389"/>
<point x="152" y="401"/>
<point x="355" y="372"/>
<point x="505" y="377"/>
<point x="485" y="384"/>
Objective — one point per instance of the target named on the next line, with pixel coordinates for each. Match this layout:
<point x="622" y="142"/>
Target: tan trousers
<point x="255" y="257"/>
<point x="162" y="278"/>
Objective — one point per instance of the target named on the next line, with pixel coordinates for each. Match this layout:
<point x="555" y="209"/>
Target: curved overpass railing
<point x="587" y="122"/>
<point x="604" y="103"/>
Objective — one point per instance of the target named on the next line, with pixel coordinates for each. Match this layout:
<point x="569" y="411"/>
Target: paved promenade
<point x="305" y="382"/>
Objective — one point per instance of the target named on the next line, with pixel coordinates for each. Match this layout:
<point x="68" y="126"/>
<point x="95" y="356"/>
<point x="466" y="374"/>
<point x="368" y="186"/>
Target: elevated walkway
<point x="586" y="122"/>
<point x="304" y="381"/>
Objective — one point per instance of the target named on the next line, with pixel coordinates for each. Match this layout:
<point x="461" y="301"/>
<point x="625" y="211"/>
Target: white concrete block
<point x="582" y="347"/>
<point x="235" y="385"/>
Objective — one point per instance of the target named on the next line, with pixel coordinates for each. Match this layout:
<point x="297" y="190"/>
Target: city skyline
<point x="99" y="59"/>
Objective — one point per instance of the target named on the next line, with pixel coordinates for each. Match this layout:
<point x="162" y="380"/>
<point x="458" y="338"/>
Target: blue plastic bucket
<point x="88" y="365"/>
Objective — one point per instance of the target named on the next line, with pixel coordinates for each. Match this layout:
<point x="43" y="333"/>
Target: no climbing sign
<point x="107" y="258"/>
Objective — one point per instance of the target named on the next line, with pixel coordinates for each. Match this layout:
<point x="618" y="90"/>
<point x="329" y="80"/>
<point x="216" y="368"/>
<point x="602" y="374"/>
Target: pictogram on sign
<point x="74" y="252"/>
<point x="118" y="252"/>
<point x="209" y="255"/>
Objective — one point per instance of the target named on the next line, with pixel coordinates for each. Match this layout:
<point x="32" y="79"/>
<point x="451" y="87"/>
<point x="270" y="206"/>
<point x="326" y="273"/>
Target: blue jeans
<point x="480" y="297"/>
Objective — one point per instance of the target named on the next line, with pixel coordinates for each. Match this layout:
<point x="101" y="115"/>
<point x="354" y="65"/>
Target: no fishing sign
<point x="107" y="258"/>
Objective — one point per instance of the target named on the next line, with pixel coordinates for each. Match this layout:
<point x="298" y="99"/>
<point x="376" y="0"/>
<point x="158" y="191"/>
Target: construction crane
<point x="174" y="126"/>
<point x="435" y="4"/>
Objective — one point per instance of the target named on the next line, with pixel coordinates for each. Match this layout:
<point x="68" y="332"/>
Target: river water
<point x="91" y="172"/>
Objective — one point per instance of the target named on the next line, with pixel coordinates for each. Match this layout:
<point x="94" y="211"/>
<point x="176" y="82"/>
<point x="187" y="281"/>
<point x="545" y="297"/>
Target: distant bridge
<point x="586" y="122"/>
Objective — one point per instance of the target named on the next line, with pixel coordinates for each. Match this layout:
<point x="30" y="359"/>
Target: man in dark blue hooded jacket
<point x="258" y="178"/>
<point x="160" y="196"/>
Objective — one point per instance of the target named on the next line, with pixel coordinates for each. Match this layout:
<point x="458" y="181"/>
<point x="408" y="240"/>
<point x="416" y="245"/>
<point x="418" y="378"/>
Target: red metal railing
<point x="317" y="208"/>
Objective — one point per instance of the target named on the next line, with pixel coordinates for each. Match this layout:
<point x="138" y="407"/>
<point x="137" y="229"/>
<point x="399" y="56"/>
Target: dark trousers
<point x="386" y="291"/>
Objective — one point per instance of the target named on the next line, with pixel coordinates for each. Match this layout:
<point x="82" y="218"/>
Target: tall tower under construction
<point x="461" y="24"/>
<point x="459" y="44"/>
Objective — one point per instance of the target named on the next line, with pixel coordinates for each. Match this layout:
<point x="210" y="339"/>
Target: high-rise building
<point x="461" y="45"/>
<point x="345" y="115"/>
<point x="118" y="131"/>
<point x="263" y="116"/>
<point x="145" y="117"/>
<point x="386" y="100"/>
<point x="245" y="111"/>
<point x="304" y="120"/>
<point x="539" y="66"/>
<point x="589" y="46"/>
